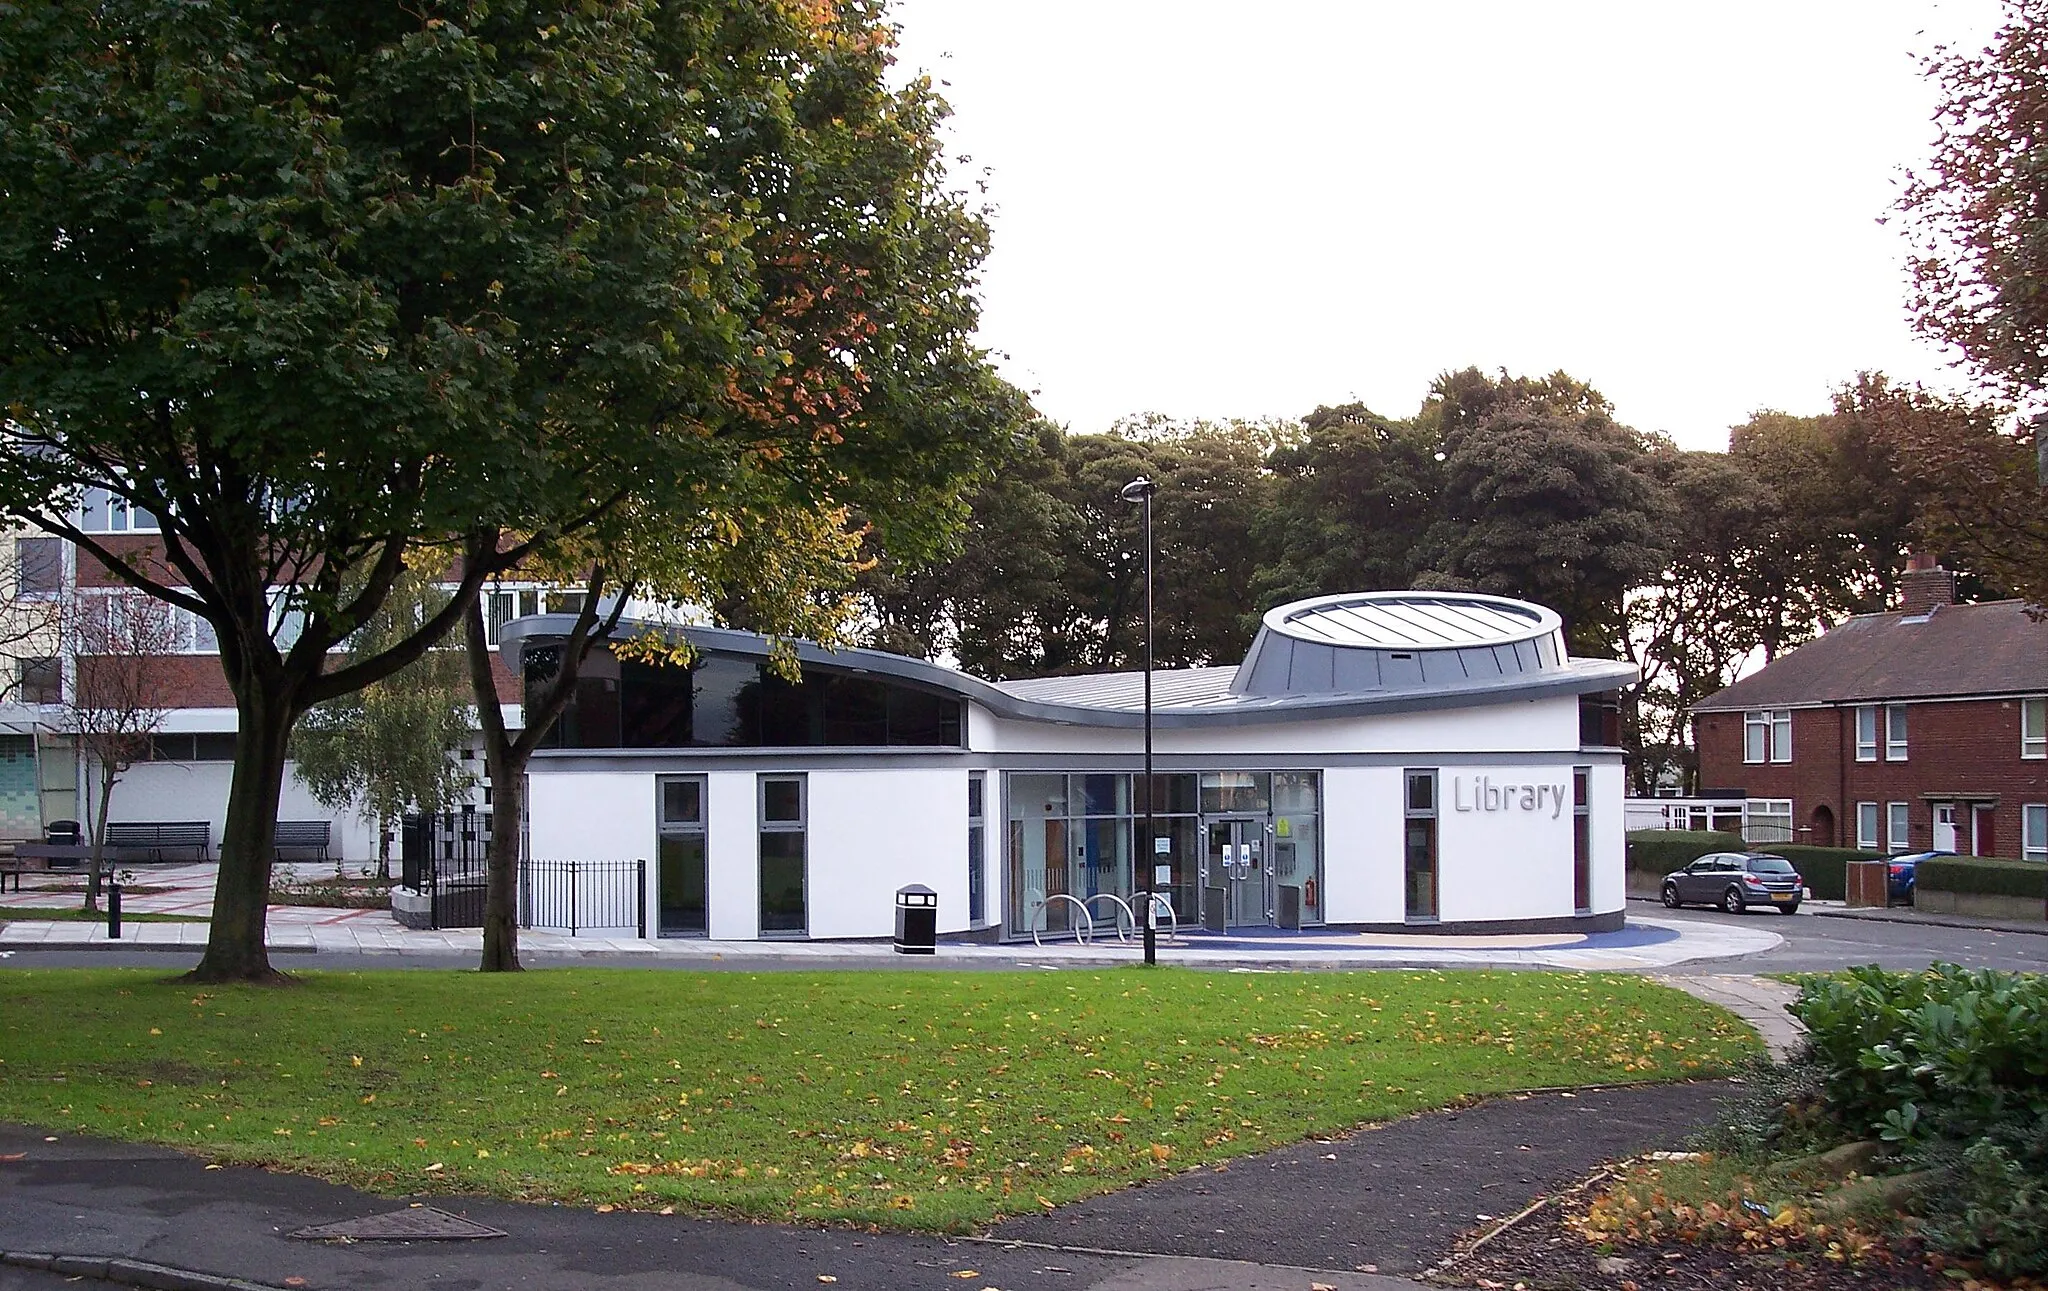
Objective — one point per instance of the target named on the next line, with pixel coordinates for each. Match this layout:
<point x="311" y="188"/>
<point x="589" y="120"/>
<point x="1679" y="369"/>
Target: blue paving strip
<point x="1311" y="940"/>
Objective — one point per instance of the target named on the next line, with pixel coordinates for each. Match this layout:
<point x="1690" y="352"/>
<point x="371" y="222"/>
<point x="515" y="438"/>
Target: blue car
<point x="1900" y="871"/>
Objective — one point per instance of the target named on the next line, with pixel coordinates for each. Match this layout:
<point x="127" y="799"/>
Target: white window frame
<point x="1767" y="735"/>
<point x="2034" y="831"/>
<point x="1866" y="732"/>
<point x="1767" y="820"/>
<point x="2034" y="728"/>
<point x="1898" y="826"/>
<point x="1866" y="826"/>
<point x="119" y="514"/>
<point x="1895" y="732"/>
<point x="194" y="632"/>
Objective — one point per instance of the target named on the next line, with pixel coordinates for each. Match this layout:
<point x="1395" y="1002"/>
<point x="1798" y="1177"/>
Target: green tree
<point x="1979" y="209"/>
<point x="1546" y="498"/>
<point x="336" y="291"/>
<point x="390" y="748"/>
<point x="1352" y="503"/>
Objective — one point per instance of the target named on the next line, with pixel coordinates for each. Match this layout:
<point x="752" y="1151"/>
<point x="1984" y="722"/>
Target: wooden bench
<point x="314" y="836"/>
<point x="155" y="837"/>
<point x="46" y="856"/>
<point x="18" y="865"/>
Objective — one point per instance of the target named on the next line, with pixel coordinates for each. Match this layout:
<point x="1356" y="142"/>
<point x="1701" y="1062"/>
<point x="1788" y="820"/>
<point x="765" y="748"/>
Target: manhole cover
<point x="413" y="1224"/>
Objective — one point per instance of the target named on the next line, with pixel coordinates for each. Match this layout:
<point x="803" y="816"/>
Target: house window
<point x="102" y="512"/>
<point x="39" y="681"/>
<point x="2034" y="831"/>
<point x="1866" y="826"/>
<point x="1895" y="732"/>
<point x="1419" y="846"/>
<point x="1866" y="733"/>
<point x="1896" y="827"/>
<point x="2034" y="728"/>
<point x="784" y="907"/>
<point x="1582" y="839"/>
<point x="1768" y="820"/>
<point x="977" y="846"/>
<point x="39" y="568"/>
<point x="1767" y="735"/>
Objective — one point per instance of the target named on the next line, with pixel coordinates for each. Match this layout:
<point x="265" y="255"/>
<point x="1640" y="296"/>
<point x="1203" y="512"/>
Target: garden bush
<point x="1657" y="852"/>
<point x="1984" y="876"/>
<point x="1825" y="869"/>
<point x="1951" y="1067"/>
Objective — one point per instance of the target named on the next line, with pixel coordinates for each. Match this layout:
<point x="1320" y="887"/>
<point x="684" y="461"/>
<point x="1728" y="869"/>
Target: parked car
<point x="1735" y="881"/>
<point x="1902" y="873"/>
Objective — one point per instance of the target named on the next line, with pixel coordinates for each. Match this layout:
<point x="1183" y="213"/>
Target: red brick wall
<point x="196" y="681"/>
<point x="1965" y="747"/>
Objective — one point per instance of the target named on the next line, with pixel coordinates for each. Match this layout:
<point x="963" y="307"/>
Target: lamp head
<point x="1137" y="490"/>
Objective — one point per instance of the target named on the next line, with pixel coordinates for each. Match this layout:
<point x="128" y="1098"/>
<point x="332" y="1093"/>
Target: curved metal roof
<point x="1384" y="641"/>
<point x="1182" y="698"/>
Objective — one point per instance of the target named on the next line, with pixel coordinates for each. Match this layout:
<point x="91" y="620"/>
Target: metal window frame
<point x="801" y="825"/>
<point x="977" y="823"/>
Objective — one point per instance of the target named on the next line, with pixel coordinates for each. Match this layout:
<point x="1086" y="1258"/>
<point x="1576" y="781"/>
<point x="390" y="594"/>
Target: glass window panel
<point x="1895" y="732"/>
<point x="1422" y="791"/>
<point x="1866" y="733"/>
<point x="2034" y="728"/>
<point x="1179" y="795"/>
<point x="684" y="903"/>
<point x="1296" y="791"/>
<point x="529" y="602"/>
<point x="682" y="802"/>
<point x="1755" y="733"/>
<point x="976" y="791"/>
<point x="784" y="712"/>
<point x="1866" y="824"/>
<point x="1104" y="795"/>
<point x="782" y="801"/>
<point x="856" y="710"/>
<point x="2034" y="821"/>
<point x="1897" y="828"/>
<point x="1248" y="791"/>
<point x="1781" y="736"/>
<point x="39" y="566"/>
<point x="655" y="705"/>
<point x="1035" y="797"/>
<point x="782" y="881"/>
<point x="920" y="718"/>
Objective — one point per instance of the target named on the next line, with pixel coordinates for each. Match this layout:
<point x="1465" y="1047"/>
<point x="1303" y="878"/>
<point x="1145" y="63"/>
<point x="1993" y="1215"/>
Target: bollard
<point x="113" y="911"/>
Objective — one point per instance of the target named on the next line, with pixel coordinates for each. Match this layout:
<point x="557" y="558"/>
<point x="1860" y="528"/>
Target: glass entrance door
<point x="1235" y="875"/>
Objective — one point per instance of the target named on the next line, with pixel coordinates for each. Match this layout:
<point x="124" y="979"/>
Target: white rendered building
<point x="1414" y="760"/>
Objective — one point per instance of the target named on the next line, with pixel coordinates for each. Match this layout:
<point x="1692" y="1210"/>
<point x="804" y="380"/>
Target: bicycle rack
<point x="1083" y="934"/>
<point x="1160" y="901"/>
<point x="1127" y="920"/>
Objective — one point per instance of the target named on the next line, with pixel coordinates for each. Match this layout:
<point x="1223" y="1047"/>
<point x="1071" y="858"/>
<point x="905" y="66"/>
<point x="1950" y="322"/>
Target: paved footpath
<point x="1345" y="1213"/>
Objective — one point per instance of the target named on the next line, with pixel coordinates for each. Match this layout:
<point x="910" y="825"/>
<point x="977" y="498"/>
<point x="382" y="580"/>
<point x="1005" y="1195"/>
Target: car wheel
<point x="1790" y="908"/>
<point x="1732" y="901"/>
<point x="1671" y="900"/>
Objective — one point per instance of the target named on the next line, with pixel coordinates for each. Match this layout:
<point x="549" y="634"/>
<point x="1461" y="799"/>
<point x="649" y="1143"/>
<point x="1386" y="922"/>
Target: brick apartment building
<point x="1925" y="727"/>
<point x="187" y="774"/>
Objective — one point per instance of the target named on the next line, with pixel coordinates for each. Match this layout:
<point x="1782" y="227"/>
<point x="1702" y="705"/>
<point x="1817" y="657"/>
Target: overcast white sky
<point x="1227" y="209"/>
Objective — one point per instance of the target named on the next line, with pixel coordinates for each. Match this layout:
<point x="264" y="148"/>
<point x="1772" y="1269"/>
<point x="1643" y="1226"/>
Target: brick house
<point x="1923" y="727"/>
<point x="186" y="776"/>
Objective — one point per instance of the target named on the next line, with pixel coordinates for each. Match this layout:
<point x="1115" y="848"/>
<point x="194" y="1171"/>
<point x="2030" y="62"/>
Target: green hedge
<point x="1984" y="876"/>
<point x="1657" y="852"/>
<point x="1825" y="869"/>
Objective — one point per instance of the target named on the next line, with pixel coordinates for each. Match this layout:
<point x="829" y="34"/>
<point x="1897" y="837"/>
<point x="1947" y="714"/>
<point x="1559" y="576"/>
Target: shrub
<point x="1825" y="869"/>
<point x="1951" y="1065"/>
<point x="1984" y="876"/>
<point x="1657" y="852"/>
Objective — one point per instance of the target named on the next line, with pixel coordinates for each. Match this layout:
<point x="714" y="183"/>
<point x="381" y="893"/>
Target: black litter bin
<point x="917" y="920"/>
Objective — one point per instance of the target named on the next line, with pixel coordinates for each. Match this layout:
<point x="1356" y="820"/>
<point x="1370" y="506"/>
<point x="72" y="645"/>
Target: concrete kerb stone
<point x="126" y="1272"/>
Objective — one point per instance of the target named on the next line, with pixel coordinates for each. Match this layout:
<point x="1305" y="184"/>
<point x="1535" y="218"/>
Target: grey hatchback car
<point x="1735" y="881"/>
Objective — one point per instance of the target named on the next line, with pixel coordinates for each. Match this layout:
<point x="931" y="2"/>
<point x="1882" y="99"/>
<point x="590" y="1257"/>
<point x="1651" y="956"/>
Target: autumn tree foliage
<point x="335" y="291"/>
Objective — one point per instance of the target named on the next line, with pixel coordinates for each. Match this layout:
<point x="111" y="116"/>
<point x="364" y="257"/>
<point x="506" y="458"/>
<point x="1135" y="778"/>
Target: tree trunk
<point x="234" y="945"/>
<point x="97" y="866"/>
<point x="507" y="770"/>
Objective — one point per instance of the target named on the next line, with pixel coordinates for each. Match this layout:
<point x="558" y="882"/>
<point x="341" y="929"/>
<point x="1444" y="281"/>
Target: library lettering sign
<point x="1485" y="795"/>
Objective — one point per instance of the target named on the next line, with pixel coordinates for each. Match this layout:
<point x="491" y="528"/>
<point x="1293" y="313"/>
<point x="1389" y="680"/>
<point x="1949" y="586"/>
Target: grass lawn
<point x="915" y="1100"/>
<point x="75" y="914"/>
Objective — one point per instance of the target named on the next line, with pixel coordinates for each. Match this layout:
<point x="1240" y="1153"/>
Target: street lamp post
<point x="1140" y="491"/>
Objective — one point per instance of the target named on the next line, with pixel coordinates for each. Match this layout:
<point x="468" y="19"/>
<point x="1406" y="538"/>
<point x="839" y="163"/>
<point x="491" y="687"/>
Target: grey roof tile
<point x="1994" y="648"/>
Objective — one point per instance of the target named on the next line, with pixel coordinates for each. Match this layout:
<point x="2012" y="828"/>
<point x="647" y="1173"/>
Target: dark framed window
<point x="39" y="681"/>
<point x="1419" y="851"/>
<point x="977" y="847"/>
<point x="682" y="906"/>
<point x="39" y="567"/>
<point x="784" y="835"/>
<point x="1582" y="840"/>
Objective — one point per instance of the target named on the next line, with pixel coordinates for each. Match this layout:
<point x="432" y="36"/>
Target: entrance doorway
<point x="1944" y="827"/>
<point x="1235" y="876"/>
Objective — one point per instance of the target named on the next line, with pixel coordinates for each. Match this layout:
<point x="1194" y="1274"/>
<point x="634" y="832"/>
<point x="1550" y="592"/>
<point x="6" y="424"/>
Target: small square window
<point x="682" y="802"/>
<point x="1422" y="793"/>
<point x="39" y="681"/>
<point x="782" y="800"/>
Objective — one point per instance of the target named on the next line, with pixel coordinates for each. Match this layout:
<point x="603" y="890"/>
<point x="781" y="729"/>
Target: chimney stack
<point x="1926" y="586"/>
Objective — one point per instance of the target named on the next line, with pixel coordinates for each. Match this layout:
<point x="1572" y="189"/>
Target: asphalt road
<point x="1813" y="943"/>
